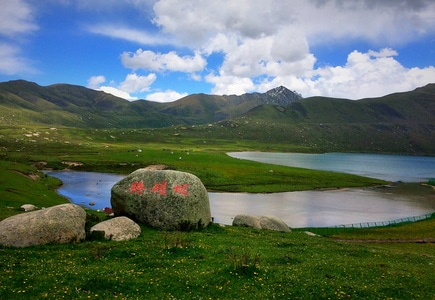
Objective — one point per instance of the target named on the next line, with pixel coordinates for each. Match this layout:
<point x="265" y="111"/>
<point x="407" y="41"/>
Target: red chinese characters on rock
<point x="159" y="188"/>
<point x="181" y="189"/>
<point x="139" y="188"/>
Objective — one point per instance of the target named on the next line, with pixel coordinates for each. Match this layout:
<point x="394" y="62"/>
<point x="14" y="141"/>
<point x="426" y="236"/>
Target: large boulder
<point x="118" y="229"/>
<point x="163" y="199"/>
<point x="58" y="224"/>
<point x="263" y="222"/>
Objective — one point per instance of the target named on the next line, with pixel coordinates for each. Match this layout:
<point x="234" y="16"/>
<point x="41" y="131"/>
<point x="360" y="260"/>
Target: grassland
<point x="222" y="263"/>
<point x="214" y="263"/>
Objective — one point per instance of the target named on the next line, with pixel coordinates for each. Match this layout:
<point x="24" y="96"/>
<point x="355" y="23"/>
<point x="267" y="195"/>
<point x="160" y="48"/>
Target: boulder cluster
<point x="59" y="224"/>
<point x="162" y="199"/>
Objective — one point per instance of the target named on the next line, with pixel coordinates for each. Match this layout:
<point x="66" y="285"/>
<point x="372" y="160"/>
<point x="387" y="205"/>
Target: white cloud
<point x="132" y="84"/>
<point x="12" y="62"/>
<point x="230" y="85"/>
<point x="272" y="56"/>
<point x="16" y="18"/>
<point x="195" y="22"/>
<point x="117" y="92"/>
<point x="171" y="61"/>
<point x="166" y="96"/>
<point x="379" y="22"/>
<point x="370" y="74"/>
<point x="128" y="34"/>
<point x="95" y="82"/>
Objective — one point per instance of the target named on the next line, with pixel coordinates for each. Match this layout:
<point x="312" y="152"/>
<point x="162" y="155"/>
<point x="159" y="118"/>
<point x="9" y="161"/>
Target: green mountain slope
<point x="417" y="106"/>
<point x="24" y="102"/>
<point x="70" y="105"/>
<point x="400" y="122"/>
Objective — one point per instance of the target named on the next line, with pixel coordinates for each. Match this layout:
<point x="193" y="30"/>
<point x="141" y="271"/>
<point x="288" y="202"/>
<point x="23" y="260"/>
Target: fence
<point x="386" y="223"/>
<point x="340" y="228"/>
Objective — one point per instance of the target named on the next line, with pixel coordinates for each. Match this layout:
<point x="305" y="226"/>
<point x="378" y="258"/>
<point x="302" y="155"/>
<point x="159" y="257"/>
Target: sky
<point x="165" y="50"/>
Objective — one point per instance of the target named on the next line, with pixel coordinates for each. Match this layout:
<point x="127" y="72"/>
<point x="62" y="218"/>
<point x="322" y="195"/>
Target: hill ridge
<point x="94" y="105"/>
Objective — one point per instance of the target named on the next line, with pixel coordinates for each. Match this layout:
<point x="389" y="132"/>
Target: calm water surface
<point x="297" y="209"/>
<point x="386" y="167"/>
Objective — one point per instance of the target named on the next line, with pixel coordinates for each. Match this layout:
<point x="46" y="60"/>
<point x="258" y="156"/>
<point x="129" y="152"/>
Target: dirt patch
<point x="32" y="176"/>
<point x="73" y="163"/>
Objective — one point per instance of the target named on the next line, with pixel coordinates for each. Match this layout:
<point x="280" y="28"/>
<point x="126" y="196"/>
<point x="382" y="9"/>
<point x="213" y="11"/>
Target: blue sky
<point x="164" y="50"/>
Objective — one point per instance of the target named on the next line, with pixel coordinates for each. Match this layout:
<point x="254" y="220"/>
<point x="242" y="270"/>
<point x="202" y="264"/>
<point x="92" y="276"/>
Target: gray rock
<point x="263" y="222"/>
<point x="29" y="207"/>
<point x="311" y="233"/>
<point x="58" y="224"/>
<point x="118" y="229"/>
<point x="273" y="223"/>
<point x="247" y="221"/>
<point x="163" y="199"/>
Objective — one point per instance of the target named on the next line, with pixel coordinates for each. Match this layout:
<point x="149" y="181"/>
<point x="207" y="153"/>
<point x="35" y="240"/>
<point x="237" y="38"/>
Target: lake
<point x="381" y="166"/>
<point x="297" y="209"/>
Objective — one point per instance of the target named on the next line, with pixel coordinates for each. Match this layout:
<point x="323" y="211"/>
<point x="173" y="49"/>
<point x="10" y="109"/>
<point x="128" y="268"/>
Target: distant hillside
<point x="400" y="122"/>
<point x="25" y="102"/>
<point x="202" y="108"/>
<point x="417" y="106"/>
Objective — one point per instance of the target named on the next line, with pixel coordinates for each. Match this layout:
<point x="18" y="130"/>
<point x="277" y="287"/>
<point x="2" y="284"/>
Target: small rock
<point x="247" y="221"/>
<point x="310" y="233"/>
<point x="273" y="223"/>
<point x="118" y="229"/>
<point x="29" y="207"/>
<point x="263" y="222"/>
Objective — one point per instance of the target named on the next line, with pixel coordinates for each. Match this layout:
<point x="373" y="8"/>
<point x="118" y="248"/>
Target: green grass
<point x="218" y="263"/>
<point x="21" y="184"/>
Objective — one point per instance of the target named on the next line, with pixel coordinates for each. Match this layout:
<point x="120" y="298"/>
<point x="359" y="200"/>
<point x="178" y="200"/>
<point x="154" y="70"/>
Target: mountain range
<point x="71" y="105"/>
<point x="400" y="122"/>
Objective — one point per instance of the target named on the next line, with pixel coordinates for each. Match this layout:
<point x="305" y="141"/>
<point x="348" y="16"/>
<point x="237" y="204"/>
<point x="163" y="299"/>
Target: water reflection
<point x="297" y="209"/>
<point x="89" y="189"/>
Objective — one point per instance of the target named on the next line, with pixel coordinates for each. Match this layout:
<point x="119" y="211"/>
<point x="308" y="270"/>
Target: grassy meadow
<point x="217" y="262"/>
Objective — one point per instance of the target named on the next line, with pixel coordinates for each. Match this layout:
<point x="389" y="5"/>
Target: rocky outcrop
<point x="263" y="222"/>
<point x="163" y="199"/>
<point x="58" y="224"/>
<point x="118" y="229"/>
